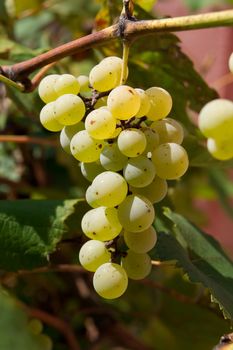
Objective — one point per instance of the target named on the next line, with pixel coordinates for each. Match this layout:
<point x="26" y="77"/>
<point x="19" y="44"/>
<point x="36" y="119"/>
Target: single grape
<point x="110" y="281"/>
<point x="45" y="342"/>
<point x="131" y="142"/>
<point x="124" y="102"/>
<point x="155" y="191"/>
<point x="111" y="158"/>
<point x="46" y="88"/>
<point x="84" y="148"/>
<point x="48" y="118"/>
<point x="91" y="170"/>
<point x="152" y="139"/>
<point x="115" y="63"/>
<point x="103" y="78"/>
<point x="136" y="213"/>
<point x="137" y="266"/>
<point x="139" y="171"/>
<point x="231" y="62"/>
<point x="35" y="326"/>
<point x="141" y="242"/>
<point x="83" y="81"/>
<point x="93" y="254"/>
<point x="216" y="119"/>
<point x="100" y="123"/>
<point x="110" y="189"/>
<point x="69" y="109"/>
<point x="101" y="102"/>
<point x="161" y="103"/>
<point x="101" y="223"/>
<point x="169" y="130"/>
<point x="66" y="84"/>
<point x="145" y="103"/>
<point x="67" y="133"/>
<point x="170" y="160"/>
<point x="222" y="150"/>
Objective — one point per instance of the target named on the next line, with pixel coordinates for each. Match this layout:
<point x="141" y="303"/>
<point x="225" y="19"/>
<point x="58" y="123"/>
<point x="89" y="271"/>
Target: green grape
<point x="66" y="84"/>
<point x="155" y="191"/>
<point x="231" y="62"/>
<point x="222" y="150"/>
<point x="131" y="142"/>
<point x="216" y="119"/>
<point x="169" y="130"/>
<point x="110" y="189"/>
<point x="101" y="223"/>
<point x="48" y="118"/>
<point x="91" y="170"/>
<point x="91" y="197"/>
<point x="100" y="123"/>
<point x="110" y="281"/>
<point x="101" y="102"/>
<point x="152" y="139"/>
<point x="136" y="213"/>
<point x="83" y="81"/>
<point x="93" y="254"/>
<point x="141" y="242"/>
<point x="84" y="148"/>
<point x="67" y="133"/>
<point x="45" y="341"/>
<point x="161" y="103"/>
<point x="103" y="78"/>
<point x="69" y="109"/>
<point x="137" y="266"/>
<point x="46" y="88"/>
<point x="170" y="160"/>
<point x="139" y="171"/>
<point x="111" y="158"/>
<point x="145" y="103"/>
<point x="35" y="326"/>
<point x="124" y="102"/>
<point x="115" y="63"/>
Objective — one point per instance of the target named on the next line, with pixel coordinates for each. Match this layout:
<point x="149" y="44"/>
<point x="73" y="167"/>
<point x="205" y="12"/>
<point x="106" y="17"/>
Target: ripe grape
<point x="139" y="171"/>
<point x="83" y="81"/>
<point x="67" y="133"/>
<point x="111" y="158"/>
<point x="110" y="189"/>
<point x="169" y="130"/>
<point x="161" y="103"/>
<point x="222" y="150"/>
<point x="100" y="123"/>
<point x="91" y="197"/>
<point x="91" y="170"/>
<point x="152" y="139"/>
<point x="115" y="63"/>
<point x="69" y="109"/>
<point x="155" y="191"/>
<point x="84" y="148"/>
<point x="170" y="160"/>
<point x="66" y="84"/>
<point x="101" y="223"/>
<point x="46" y="88"/>
<point x="110" y="281"/>
<point x="103" y="78"/>
<point x="137" y="266"/>
<point x="141" y="242"/>
<point x="231" y="62"/>
<point x="136" y="213"/>
<point x="145" y="103"/>
<point x="131" y="142"/>
<point x="124" y="102"/>
<point x="48" y="118"/>
<point x="93" y="254"/>
<point x="216" y="119"/>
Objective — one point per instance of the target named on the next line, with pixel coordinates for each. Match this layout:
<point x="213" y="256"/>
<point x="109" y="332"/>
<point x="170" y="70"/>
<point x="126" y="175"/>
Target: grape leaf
<point x="205" y="261"/>
<point x="31" y="229"/>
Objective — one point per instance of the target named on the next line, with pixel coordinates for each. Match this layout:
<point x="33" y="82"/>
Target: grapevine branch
<point x="127" y="29"/>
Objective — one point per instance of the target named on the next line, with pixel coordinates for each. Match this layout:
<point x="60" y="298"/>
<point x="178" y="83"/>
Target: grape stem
<point x="18" y="73"/>
<point x="126" y="46"/>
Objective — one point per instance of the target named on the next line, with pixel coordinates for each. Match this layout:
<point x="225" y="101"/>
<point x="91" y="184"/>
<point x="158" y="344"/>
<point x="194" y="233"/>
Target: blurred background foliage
<point x="165" y="311"/>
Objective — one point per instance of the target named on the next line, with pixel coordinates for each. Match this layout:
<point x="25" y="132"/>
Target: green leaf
<point x="146" y="5"/>
<point x="205" y="261"/>
<point x="14" y="333"/>
<point x="30" y="230"/>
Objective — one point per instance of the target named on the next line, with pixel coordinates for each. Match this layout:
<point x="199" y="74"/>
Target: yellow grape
<point x="84" y="148"/>
<point x="69" y="109"/>
<point x="66" y="84"/>
<point x="222" y="150"/>
<point x="46" y="88"/>
<point x="48" y="118"/>
<point x="100" y="123"/>
<point x="161" y="103"/>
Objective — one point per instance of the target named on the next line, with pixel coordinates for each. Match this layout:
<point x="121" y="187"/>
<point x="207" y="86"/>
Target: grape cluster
<point x="216" y="123"/>
<point x="127" y="149"/>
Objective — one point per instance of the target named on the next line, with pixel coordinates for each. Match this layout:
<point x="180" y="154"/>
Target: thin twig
<point x="37" y="78"/>
<point x="29" y="139"/>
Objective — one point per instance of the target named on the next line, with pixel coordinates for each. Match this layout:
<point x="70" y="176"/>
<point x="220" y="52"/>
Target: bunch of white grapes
<point x="216" y="123"/>
<point x="127" y="149"/>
